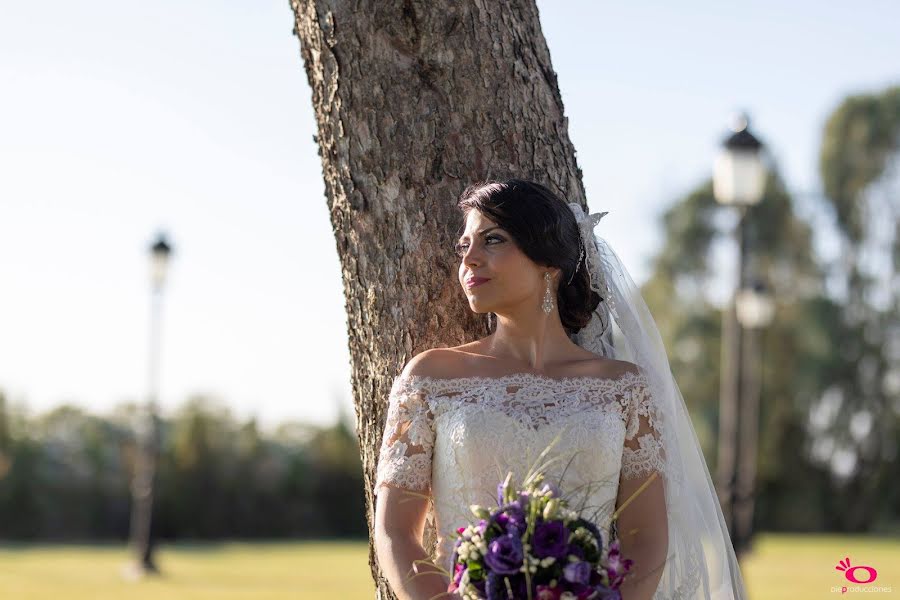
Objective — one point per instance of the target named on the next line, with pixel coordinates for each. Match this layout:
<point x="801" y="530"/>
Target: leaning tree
<point x="413" y="101"/>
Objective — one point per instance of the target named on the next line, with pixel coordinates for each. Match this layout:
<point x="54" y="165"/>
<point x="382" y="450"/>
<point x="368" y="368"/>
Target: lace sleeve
<point x="408" y="439"/>
<point x="643" y="452"/>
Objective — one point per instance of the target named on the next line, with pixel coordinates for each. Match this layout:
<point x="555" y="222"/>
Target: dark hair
<point x="544" y="228"/>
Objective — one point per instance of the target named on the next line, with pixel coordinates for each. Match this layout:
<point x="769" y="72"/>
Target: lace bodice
<point x="456" y="439"/>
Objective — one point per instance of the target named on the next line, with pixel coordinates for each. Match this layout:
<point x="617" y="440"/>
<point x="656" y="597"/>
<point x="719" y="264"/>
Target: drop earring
<point x="548" y="297"/>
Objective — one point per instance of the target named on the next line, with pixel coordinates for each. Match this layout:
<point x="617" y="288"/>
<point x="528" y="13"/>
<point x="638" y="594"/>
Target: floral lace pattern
<point x="643" y="452"/>
<point x="406" y="456"/>
<point x="406" y="446"/>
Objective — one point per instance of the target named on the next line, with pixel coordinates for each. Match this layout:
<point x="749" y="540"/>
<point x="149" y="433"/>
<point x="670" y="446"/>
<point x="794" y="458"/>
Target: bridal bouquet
<point x="533" y="546"/>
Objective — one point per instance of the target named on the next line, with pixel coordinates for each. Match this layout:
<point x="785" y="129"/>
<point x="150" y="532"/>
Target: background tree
<point x="413" y="101"/>
<point x="858" y="429"/>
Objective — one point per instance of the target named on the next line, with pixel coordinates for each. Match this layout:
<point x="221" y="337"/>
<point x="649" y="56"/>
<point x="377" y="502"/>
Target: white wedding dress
<point x="456" y="438"/>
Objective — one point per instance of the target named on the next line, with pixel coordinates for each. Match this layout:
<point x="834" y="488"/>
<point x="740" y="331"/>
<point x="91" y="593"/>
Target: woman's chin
<point x="478" y="307"/>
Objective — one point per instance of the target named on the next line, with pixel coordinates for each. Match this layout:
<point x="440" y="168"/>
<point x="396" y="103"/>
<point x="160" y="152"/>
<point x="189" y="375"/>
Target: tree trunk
<point x="414" y="101"/>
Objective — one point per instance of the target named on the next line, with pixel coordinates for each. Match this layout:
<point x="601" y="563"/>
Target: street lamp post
<point x="142" y="487"/>
<point x="739" y="177"/>
<point x="755" y="309"/>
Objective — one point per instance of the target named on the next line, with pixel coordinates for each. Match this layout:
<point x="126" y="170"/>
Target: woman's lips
<point x="474" y="281"/>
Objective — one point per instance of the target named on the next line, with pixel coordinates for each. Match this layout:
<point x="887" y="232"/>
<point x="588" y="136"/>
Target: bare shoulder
<point x="435" y="362"/>
<point x="613" y="368"/>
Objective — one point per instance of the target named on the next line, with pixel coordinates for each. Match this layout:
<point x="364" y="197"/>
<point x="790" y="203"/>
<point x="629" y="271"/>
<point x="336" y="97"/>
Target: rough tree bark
<point x="413" y="101"/>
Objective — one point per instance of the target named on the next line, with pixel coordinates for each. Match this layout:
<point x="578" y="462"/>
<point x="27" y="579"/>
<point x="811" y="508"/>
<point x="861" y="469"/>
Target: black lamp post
<point x="739" y="178"/>
<point x="142" y="487"/>
<point x="755" y="309"/>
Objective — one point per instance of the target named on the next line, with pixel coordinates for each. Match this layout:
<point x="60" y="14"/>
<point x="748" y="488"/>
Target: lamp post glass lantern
<point x="159" y="262"/>
<point x="739" y="171"/>
<point x="755" y="306"/>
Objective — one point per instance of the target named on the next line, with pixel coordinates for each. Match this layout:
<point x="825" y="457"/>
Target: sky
<point x="120" y="119"/>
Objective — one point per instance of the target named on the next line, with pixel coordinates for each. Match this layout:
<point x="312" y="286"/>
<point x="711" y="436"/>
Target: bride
<point x="575" y="364"/>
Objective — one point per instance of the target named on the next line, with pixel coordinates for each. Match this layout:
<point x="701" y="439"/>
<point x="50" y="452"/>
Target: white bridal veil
<point x="701" y="562"/>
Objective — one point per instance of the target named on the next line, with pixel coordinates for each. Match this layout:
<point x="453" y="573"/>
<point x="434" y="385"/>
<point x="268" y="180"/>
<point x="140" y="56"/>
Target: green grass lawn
<point x="797" y="567"/>
<point x="794" y="567"/>
<point x="228" y="571"/>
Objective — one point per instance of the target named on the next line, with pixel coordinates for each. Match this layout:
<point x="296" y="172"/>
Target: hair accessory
<point x="578" y="262"/>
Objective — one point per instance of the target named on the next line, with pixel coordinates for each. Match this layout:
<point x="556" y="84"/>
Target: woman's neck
<point x="536" y="343"/>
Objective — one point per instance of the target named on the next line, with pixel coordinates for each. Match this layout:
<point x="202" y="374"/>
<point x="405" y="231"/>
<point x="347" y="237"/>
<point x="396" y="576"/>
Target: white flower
<point x="479" y="511"/>
<point x="466" y="549"/>
<point x="551" y="509"/>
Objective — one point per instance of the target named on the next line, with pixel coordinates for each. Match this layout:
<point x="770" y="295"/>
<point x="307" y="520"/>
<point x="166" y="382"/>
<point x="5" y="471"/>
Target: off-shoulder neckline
<point x="538" y="377"/>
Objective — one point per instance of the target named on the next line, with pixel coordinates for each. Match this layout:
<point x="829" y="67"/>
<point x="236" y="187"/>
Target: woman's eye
<point x="461" y="247"/>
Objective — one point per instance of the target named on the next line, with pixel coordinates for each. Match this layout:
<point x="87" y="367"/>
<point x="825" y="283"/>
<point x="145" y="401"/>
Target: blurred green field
<point x="795" y="567"/>
<point x="227" y="571"/>
<point x="801" y="567"/>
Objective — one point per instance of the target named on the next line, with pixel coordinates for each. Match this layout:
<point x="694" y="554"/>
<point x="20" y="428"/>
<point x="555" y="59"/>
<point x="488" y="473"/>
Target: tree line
<point x="65" y="475"/>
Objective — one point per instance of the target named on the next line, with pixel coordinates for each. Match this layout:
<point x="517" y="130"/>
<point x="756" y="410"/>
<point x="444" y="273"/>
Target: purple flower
<point x="458" y="574"/>
<point x="516" y="516"/>
<point x="607" y="593"/>
<point x="551" y="538"/>
<point x="494" y="586"/>
<point x="616" y="567"/>
<point x="501" y="519"/>
<point x="511" y="518"/>
<point x="583" y="592"/>
<point x="577" y="572"/>
<point x="504" y="555"/>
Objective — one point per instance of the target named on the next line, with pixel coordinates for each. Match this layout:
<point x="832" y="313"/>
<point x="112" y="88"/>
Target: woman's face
<point x="507" y="277"/>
